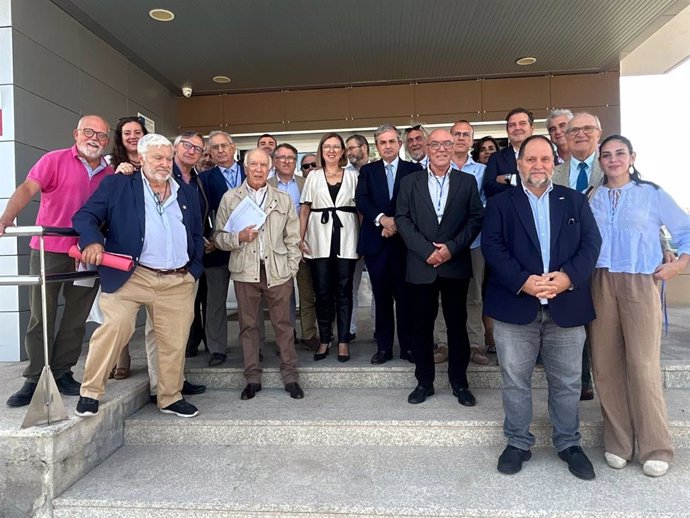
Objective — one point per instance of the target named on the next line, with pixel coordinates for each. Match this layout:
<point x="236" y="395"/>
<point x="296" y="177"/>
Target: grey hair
<point x="386" y="127"/>
<point x="558" y="112"/>
<point x="151" y="140"/>
<point x="254" y="151"/>
<point x="84" y="117"/>
<point x="188" y="134"/>
<point x="596" y="119"/>
<point x="215" y="133"/>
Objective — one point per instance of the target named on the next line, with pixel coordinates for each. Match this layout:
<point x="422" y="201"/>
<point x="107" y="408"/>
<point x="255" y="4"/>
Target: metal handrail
<point x="46" y="395"/>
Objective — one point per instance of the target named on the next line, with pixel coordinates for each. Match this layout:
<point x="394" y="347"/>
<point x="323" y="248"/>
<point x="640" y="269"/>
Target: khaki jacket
<point x="279" y="234"/>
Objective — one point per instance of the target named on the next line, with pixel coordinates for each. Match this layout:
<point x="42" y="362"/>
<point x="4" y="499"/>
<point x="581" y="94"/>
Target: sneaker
<point x="655" y="468"/>
<point x="86" y="407"/>
<point x="23" y="396"/>
<point x="614" y="461"/>
<point x="441" y="354"/>
<point x="181" y="409"/>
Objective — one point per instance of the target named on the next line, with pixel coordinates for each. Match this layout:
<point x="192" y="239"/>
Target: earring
<point x="631" y="169"/>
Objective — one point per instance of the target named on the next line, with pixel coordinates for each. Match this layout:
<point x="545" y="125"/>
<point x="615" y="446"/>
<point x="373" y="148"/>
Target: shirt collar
<point x="394" y="163"/>
<point x="531" y="194"/>
<point x="430" y="173"/>
<point x="75" y="153"/>
<point x="291" y="180"/>
<point x="589" y="161"/>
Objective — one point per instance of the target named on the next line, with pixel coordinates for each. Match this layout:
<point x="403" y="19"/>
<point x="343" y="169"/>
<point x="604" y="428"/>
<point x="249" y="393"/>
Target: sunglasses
<point x="310" y="165"/>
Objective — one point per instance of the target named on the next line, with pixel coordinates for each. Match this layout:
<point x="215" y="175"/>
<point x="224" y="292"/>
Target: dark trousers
<point x="64" y="347"/>
<point x="332" y="280"/>
<point x="387" y="276"/>
<point x="197" y="332"/>
<point x="425" y="303"/>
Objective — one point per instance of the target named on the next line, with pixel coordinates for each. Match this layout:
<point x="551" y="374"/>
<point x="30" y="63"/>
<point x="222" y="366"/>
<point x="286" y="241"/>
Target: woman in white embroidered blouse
<point x="626" y="335"/>
<point x="329" y="229"/>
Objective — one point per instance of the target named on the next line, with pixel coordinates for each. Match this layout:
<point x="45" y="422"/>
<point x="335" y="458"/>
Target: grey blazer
<point x="561" y="173"/>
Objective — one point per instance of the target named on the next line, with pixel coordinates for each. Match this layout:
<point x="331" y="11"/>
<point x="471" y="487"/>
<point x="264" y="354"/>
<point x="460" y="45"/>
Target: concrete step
<point x="361" y="481"/>
<point x="363" y="417"/>
<point x="359" y="373"/>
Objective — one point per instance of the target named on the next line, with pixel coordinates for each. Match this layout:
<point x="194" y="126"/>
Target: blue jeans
<point x="561" y="349"/>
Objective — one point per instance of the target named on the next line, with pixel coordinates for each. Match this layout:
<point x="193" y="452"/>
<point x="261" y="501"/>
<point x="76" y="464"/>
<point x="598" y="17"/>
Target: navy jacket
<point x="117" y="206"/>
<point x="500" y="163"/>
<point x="419" y="227"/>
<point x="215" y="187"/>
<point x="511" y="250"/>
<point x="372" y="199"/>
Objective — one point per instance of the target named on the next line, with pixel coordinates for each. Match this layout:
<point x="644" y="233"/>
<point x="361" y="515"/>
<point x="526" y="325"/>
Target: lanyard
<point x="440" y="193"/>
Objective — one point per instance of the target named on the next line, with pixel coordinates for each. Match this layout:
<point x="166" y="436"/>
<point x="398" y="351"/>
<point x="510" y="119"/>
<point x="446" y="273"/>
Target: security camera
<point x="187" y="91"/>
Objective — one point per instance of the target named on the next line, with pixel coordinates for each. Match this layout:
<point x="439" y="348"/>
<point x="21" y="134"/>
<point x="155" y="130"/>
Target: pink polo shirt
<point x="65" y="186"/>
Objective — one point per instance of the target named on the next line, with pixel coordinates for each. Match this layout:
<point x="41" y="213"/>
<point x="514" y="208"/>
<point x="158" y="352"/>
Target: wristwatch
<point x="507" y="177"/>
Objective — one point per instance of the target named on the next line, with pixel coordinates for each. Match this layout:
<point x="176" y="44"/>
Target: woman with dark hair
<point x="626" y="335"/>
<point x="125" y="159"/>
<point x="484" y="148"/>
<point x="127" y="134"/>
<point x="329" y="229"/>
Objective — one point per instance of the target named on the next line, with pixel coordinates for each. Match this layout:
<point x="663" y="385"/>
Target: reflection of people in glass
<point x="329" y="229"/>
<point x="626" y="335"/>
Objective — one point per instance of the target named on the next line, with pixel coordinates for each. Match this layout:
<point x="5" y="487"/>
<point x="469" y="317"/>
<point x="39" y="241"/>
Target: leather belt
<point x="179" y="271"/>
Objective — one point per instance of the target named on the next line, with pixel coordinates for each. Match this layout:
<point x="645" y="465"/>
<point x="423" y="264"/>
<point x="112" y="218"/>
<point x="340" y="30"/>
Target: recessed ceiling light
<point x="221" y="79"/>
<point x="527" y="60"/>
<point x="161" y="15"/>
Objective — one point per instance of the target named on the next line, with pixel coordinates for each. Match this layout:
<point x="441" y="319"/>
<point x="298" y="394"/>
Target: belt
<point x="180" y="271"/>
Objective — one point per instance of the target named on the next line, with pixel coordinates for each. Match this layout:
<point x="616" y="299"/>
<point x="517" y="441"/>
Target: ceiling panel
<point x="275" y="44"/>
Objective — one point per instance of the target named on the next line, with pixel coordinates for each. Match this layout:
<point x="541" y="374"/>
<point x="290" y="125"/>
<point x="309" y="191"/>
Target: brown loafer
<point x="121" y="373"/>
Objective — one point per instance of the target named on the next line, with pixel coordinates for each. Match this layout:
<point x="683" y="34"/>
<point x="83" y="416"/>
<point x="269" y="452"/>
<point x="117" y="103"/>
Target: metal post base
<point x="46" y="405"/>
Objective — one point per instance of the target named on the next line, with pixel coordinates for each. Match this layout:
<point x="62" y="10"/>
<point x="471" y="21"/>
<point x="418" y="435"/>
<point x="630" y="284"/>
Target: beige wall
<point x="366" y="106"/>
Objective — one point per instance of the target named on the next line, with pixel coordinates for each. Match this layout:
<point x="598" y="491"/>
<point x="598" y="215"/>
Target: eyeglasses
<point x="217" y="147"/>
<point x="90" y="133"/>
<point x="285" y="158"/>
<point x="352" y="148"/>
<point x="191" y="147"/>
<point x="328" y="147"/>
<point x="310" y="165"/>
<point x="462" y="134"/>
<point x="587" y="130"/>
<point x="435" y="145"/>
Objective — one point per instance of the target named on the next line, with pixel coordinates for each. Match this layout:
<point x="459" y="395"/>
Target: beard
<point x="158" y="176"/>
<point x="538" y="182"/>
<point x="90" y="152"/>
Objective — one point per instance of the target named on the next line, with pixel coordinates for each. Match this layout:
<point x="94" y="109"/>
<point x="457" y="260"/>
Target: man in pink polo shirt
<point x="65" y="178"/>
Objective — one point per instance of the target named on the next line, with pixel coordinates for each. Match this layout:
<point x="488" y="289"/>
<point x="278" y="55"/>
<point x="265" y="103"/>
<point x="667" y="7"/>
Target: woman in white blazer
<point x="329" y="230"/>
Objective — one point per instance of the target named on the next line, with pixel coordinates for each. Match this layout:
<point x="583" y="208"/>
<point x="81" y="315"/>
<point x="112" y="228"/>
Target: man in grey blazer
<point x="438" y="215"/>
<point x="582" y="173"/>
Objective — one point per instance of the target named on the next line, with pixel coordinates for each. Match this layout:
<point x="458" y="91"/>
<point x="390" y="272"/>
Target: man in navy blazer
<point x="541" y="243"/>
<point x="438" y="215"/>
<point x="501" y="172"/>
<point x="227" y="174"/>
<point x="381" y="245"/>
<point x="157" y="222"/>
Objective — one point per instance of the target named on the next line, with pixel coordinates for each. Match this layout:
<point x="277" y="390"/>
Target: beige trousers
<point x="170" y="301"/>
<point x="626" y="348"/>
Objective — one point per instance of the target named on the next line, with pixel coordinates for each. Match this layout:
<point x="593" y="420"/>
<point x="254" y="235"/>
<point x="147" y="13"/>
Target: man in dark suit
<point x="541" y="243"/>
<point x="157" y="222"/>
<point x="227" y="174"/>
<point x="438" y="215"/>
<point x="501" y="172"/>
<point x="383" y="249"/>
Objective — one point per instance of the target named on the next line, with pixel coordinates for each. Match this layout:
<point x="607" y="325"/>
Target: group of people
<point x="556" y="240"/>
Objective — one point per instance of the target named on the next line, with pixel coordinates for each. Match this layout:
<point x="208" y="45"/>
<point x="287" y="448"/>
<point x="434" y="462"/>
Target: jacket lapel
<point x="524" y="212"/>
<point x="138" y="187"/>
<point x="556" y="215"/>
<point x="422" y="186"/>
<point x="453" y="188"/>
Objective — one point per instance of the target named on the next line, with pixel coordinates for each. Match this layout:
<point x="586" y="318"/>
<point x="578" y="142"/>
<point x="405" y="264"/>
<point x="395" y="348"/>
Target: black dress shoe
<point x="407" y="355"/>
<point x="23" y="396"/>
<point x="419" y="395"/>
<point x="250" y="391"/>
<point x="465" y="397"/>
<point x="510" y="461"/>
<point x="578" y="463"/>
<point x="216" y="359"/>
<point x="342" y="358"/>
<point x="67" y="385"/>
<point x="381" y="357"/>
<point x="190" y="389"/>
<point x="294" y="390"/>
<point x="322" y="356"/>
<point x="587" y="394"/>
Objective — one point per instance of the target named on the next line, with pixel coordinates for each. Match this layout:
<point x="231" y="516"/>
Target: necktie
<point x="390" y="177"/>
<point x="582" y="181"/>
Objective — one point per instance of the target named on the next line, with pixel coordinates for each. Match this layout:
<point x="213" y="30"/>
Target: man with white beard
<point x="65" y="178"/>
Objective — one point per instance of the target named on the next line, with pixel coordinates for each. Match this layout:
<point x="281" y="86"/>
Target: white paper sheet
<point x="245" y="214"/>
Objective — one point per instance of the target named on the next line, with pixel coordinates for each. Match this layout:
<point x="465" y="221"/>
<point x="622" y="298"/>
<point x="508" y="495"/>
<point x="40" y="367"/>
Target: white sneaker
<point x="614" y="461"/>
<point x="655" y="468"/>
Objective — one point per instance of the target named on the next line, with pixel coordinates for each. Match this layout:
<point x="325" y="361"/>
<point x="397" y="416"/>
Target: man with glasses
<point x="557" y="126"/>
<point x="284" y="160"/>
<point x="357" y="151"/>
<point x="65" y="178"/>
<point x="501" y="172"/>
<point x="382" y="247"/>
<point x="308" y="164"/>
<point x="415" y="145"/>
<point x="439" y="214"/>
<point x="226" y="175"/>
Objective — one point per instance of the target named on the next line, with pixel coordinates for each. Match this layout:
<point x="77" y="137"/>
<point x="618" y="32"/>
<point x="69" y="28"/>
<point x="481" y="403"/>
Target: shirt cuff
<point x="377" y="221"/>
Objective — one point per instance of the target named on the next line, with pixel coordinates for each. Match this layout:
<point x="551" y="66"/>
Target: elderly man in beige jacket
<point x="263" y="262"/>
